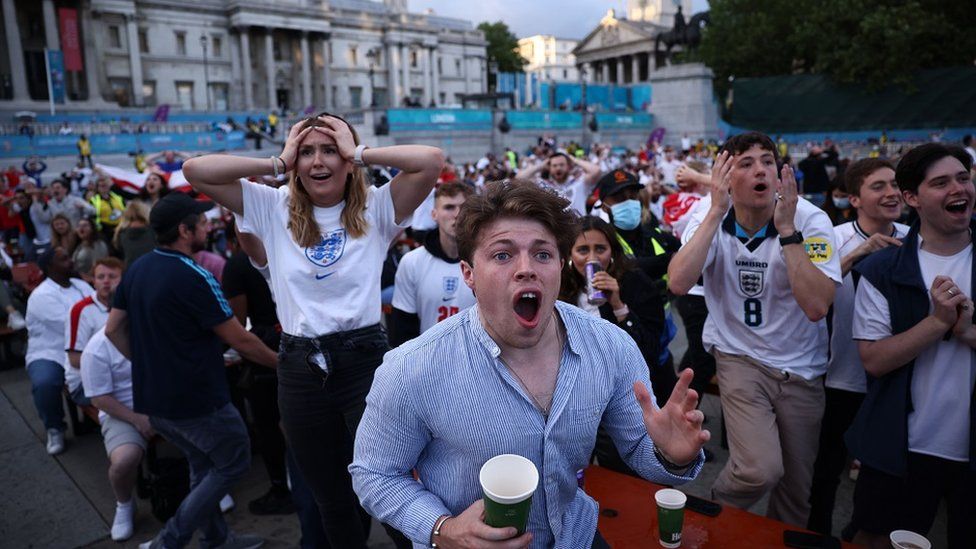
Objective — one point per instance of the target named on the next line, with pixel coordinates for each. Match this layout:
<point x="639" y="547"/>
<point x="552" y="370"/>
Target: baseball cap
<point x="173" y="208"/>
<point x="616" y="181"/>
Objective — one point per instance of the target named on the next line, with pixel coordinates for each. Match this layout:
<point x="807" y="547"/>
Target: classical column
<point x="464" y="65"/>
<point x="246" y="68"/>
<point x="50" y="26"/>
<point x="17" y="71"/>
<point x="269" y="68"/>
<point x="135" y="60"/>
<point x="235" y="97"/>
<point x="327" y="73"/>
<point x="306" y="73"/>
<point x="620" y="71"/>
<point x="605" y="72"/>
<point x="428" y="78"/>
<point x="405" y="65"/>
<point x="435" y="76"/>
<point x="588" y="72"/>
<point x="650" y="64"/>
<point x="392" y="87"/>
<point x="634" y="69"/>
<point x="91" y="63"/>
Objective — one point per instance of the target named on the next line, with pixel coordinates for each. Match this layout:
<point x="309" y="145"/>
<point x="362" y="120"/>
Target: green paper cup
<point x="670" y="515"/>
<point x="508" y="482"/>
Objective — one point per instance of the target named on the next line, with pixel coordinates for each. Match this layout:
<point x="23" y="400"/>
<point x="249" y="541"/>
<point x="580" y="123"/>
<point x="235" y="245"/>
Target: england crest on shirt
<point x="751" y="282"/>
<point x="328" y="250"/>
<point x="450" y="287"/>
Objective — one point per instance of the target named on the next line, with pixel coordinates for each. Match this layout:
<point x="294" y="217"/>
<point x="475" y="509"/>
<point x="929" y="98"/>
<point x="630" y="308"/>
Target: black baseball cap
<point x="171" y="209"/>
<point x="616" y="181"/>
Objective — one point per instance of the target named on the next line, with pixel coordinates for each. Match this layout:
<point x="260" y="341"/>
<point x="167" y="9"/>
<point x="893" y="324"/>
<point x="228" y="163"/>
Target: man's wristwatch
<point x="357" y="157"/>
<point x="795" y="238"/>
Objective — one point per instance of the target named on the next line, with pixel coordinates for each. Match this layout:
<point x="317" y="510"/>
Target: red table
<point x="635" y="523"/>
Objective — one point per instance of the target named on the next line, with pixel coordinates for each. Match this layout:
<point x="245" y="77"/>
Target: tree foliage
<point x="502" y="46"/>
<point x="867" y="42"/>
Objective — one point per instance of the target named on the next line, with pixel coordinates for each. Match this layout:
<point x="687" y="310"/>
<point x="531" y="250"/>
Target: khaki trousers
<point x="773" y="424"/>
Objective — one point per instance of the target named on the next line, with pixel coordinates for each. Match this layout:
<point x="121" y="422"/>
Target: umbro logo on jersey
<point x="751" y="282"/>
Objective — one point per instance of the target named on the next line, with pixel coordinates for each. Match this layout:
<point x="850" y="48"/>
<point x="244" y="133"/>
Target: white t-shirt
<point x="106" y="371"/>
<point x="942" y="381"/>
<point x="86" y="317"/>
<point x="692" y="220"/>
<point x="430" y="287"/>
<point x="47" y="313"/>
<point x="335" y="285"/>
<point x="845" y="371"/>
<point x="574" y="190"/>
<point x="422" y="219"/>
<point x="668" y="170"/>
<point x="752" y="310"/>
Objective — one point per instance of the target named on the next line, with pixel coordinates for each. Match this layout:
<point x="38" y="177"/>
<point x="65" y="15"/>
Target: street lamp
<point x="206" y="73"/>
<point x="373" y="55"/>
<point x="582" y="73"/>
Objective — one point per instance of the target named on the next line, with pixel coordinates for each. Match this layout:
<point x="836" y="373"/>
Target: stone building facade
<point x="240" y="54"/>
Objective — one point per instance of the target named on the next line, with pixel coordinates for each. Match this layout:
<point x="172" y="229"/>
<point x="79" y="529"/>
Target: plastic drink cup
<point x="670" y="516"/>
<point x="905" y="539"/>
<point x="508" y="482"/>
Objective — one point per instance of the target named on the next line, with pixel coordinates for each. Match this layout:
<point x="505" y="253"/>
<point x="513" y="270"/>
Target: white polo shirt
<point x="47" y="313"/>
<point x="944" y="373"/>
<point x="845" y="370"/>
<point x="575" y="190"/>
<point x="86" y="317"/>
<point x="105" y="371"/>
<point x="335" y="285"/>
<point x="430" y="287"/>
<point x="752" y="310"/>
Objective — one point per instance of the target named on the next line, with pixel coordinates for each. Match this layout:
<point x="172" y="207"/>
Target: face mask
<point x="626" y="215"/>
<point x="841" y="203"/>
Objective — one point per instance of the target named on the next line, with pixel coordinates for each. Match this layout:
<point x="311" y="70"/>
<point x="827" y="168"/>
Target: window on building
<point x="457" y="67"/>
<point x="219" y="94"/>
<point x="353" y="56"/>
<point x="149" y="93"/>
<point x="218" y="46"/>
<point x="440" y="66"/>
<point x="565" y="74"/>
<point x="414" y="59"/>
<point x="143" y="41"/>
<point x="180" y="43"/>
<point x="276" y="50"/>
<point x="114" y="37"/>
<point x="356" y="97"/>
<point x="121" y="91"/>
<point x="442" y="98"/>
<point x="184" y="95"/>
<point x="380" y="97"/>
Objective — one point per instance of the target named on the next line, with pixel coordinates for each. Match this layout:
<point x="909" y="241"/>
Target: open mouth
<point x="526" y="305"/>
<point x="760" y="188"/>
<point x="321" y="176"/>
<point x="957" y="206"/>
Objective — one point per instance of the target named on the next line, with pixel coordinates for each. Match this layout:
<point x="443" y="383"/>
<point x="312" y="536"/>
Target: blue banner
<point x="543" y="120"/>
<point x="21" y="146"/>
<point x="627" y="121"/>
<point x="55" y="68"/>
<point x="426" y="120"/>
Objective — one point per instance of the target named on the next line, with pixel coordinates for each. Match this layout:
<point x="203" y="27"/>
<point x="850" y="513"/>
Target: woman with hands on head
<point x="326" y="234"/>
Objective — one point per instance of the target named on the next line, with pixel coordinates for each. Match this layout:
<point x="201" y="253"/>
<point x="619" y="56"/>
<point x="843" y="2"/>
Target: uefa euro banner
<point x="544" y="120"/>
<point x="438" y="120"/>
<point x="625" y="121"/>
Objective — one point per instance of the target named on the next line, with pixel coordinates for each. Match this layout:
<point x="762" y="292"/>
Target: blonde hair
<point x="137" y="210"/>
<point x="301" y="216"/>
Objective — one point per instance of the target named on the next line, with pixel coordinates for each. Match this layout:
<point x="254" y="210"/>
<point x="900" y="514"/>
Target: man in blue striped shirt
<point x="518" y="373"/>
<point x="169" y="317"/>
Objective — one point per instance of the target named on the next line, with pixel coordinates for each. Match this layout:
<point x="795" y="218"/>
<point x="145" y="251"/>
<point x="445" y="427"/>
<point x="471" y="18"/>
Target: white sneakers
<point x="55" y="441"/>
<point x="122" y="526"/>
<point x="15" y="321"/>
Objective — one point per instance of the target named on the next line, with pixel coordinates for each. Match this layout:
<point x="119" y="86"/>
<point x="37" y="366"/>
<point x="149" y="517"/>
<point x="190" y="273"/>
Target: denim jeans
<point x="320" y="415"/>
<point x="47" y="382"/>
<point x="309" y="519"/>
<point x="218" y="450"/>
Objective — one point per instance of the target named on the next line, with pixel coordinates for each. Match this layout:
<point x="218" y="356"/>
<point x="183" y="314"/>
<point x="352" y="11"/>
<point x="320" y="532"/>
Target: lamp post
<point x="206" y="73"/>
<point x="373" y="55"/>
<point x="582" y="73"/>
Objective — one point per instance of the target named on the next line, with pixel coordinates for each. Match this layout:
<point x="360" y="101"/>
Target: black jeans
<point x="840" y="409"/>
<point x="693" y="313"/>
<point x="320" y="415"/>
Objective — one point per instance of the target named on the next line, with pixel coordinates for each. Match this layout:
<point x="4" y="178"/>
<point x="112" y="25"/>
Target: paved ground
<point x="65" y="501"/>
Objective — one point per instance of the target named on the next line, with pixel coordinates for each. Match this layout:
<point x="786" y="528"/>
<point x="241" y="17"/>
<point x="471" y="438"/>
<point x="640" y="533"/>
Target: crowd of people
<point x="529" y="300"/>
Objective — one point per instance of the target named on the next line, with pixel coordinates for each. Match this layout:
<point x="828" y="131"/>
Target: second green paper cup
<point x="508" y="482"/>
<point x="670" y="515"/>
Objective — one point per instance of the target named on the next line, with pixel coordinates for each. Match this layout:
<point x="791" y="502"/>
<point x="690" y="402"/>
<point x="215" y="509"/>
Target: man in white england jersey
<point x="913" y="323"/>
<point x="428" y="286"/>
<point x="873" y="191"/>
<point x="770" y="271"/>
<point x="575" y="188"/>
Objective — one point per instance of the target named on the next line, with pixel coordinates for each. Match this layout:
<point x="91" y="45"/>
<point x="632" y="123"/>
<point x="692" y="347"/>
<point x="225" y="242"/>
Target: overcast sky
<point x="563" y="18"/>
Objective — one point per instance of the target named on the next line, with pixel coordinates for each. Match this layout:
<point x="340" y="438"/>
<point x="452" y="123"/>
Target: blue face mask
<point x="841" y="203"/>
<point x="626" y="215"/>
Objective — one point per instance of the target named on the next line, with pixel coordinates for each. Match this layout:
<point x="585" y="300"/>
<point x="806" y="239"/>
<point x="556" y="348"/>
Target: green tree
<point x="502" y="46"/>
<point x="868" y="42"/>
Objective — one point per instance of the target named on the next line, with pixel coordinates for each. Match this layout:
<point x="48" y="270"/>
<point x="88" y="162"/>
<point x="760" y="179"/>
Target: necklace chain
<point x="538" y="404"/>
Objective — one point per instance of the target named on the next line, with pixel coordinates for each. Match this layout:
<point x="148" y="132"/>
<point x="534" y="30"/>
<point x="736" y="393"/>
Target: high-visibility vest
<point x="108" y="212"/>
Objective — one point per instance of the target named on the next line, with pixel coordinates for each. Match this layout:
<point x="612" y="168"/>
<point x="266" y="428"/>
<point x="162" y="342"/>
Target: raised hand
<point x="785" y="212"/>
<point x="876" y="242"/>
<point x="721" y="181"/>
<point x="676" y="429"/>
<point x="289" y="154"/>
<point x="340" y="132"/>
<point x="946" y="298"/>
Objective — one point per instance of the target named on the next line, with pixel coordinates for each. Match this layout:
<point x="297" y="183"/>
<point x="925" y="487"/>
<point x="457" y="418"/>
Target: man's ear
<point x="855" y="201"/>
<point x="467" y="273"/>
<point x="910" y="198"/>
